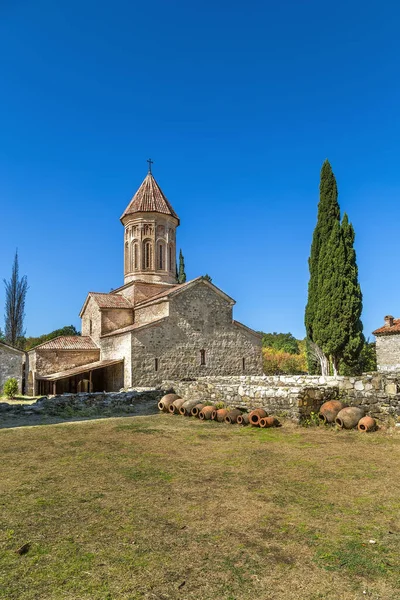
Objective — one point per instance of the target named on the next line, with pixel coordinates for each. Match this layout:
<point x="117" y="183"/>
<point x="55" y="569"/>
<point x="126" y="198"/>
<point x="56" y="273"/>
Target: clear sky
<point x="238" y="104"/>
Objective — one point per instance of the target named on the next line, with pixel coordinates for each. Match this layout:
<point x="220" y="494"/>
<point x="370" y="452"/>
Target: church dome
<point x="150" y="198"/>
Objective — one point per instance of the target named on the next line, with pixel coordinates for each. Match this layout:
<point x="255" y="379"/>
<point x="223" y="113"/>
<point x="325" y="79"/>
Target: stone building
<point x="11" y="365"/>
<point x="151" y="328"/>
<point x="388" y="345"/>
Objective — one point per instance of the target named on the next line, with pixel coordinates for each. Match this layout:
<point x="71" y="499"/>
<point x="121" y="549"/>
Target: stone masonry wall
<point x="199" y="319"/>
<point x="298" y="395"/>
<point x="388" y="352"/>
<point x="11" y="365"/>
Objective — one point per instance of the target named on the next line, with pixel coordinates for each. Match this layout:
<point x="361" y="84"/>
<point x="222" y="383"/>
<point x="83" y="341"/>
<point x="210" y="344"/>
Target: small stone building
<point x="388" y="345"/>
<point x="12" y="362"/>
<point x="151" y="328"/>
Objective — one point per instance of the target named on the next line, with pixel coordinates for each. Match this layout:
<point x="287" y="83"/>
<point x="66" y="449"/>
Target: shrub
<point x="276" y="362"/>
<point x="11" y="387"/>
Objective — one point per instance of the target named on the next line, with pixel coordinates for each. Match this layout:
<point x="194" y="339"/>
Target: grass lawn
<point x="166" y="507"/>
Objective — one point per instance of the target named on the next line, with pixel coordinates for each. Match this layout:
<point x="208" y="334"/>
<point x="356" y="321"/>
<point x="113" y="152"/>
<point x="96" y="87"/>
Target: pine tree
<point x="181" y="272"/>
<point x="16" y="290"/>
<point x="328" y="215"/>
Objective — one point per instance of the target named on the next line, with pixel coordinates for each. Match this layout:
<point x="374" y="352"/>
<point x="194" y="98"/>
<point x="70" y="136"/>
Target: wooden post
<point x="90" y="381"/>
<point x="54" y="387"/>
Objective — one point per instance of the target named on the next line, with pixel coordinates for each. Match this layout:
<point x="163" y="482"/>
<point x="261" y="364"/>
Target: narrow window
<point x="160" y="257"/>
<point x="156" y="364"/>
<point x="243" y="363"/>
<point x="136" y="257"/>
<point x="90" y="327"/>
<point x="202" y="358"/>
<point x="170" y="258"/>
<point x="147" y="259"/>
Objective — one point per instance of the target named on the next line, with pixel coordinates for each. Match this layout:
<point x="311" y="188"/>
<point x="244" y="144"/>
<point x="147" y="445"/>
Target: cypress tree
<point x="181" y="272"/>
<point x="329" y="326"/>
<point x="352" y="300"/>
<point x="328" y="215"/>
<point x="16" y="290"/>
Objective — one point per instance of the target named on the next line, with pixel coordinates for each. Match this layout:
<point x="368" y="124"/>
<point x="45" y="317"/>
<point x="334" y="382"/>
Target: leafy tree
<point x="366" y="362"/>
<point x="11" y="388"/>
<point x="181" y="272"/>
<point x="207" y="277"/>
<point x="2" y="336"/>
<point x="31" y="342"/>
<point x="281" y="341"/>
<point x="16" y="290"/>
<point x="277" y="362"/>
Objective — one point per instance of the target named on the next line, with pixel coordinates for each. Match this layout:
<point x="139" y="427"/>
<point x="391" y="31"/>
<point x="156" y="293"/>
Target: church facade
<point x="151" y="328"/>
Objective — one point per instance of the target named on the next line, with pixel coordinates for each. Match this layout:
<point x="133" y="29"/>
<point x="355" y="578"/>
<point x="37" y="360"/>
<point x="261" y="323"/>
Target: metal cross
<point x="150" y="163"/>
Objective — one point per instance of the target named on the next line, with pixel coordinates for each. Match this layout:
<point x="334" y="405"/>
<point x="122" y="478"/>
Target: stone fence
<point x="135" y="402"/>
<point x="296" y="396"/>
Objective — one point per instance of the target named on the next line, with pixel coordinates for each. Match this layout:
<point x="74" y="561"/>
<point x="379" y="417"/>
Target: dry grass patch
<point x="168" y="507"/>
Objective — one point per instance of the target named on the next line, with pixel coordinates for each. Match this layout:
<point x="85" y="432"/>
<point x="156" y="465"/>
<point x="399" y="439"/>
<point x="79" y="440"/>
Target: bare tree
<point x="16" y="290"/>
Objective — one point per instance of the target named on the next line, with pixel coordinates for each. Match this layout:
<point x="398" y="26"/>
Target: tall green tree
<point x="181" y="271"/>
<point x="328" y="215"/>
<point x="352" y="300"/>
<point x="333" y="312"/>
<point x="16" y="290"/>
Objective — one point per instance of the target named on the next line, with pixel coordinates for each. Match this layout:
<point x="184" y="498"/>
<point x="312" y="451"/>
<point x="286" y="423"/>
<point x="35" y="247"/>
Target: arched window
<point x="147" y="255"/>
<point x="170" y="261"/>
<point x="135" y="257"/>
<point x="161" y="258"/>
<point x="126" y="258"/>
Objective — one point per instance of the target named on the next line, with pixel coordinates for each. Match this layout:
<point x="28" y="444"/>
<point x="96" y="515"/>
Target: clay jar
<point x="243" y="419"/>
<point x="256" y="415"/>
<point x="269" y="422"/>
<point x="366" y="424"/>
<point x="220" y="415"/>
<point x="187" y="406"/>
<point x="348" y="417"/>
<point x="329" y="410"/>
<point x="232" y="416"/>
<point x="166" y="401"/>
<point x="196" y="409"/>
<point x="175" y="406"/>
<point x="206" y="413"/>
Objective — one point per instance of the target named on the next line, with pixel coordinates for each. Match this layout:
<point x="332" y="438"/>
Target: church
<point x="151" y="328"/>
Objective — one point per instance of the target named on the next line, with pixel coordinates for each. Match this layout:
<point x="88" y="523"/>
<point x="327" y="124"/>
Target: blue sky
<point x="238" y="104"/>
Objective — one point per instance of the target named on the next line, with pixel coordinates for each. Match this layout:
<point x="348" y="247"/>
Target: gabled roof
<point x="150" y="198"/>
<point x="177" y="289"/>
<point x="134" y="327"/>
<point x="68" y="342"/>
<point x="386" y="330"/>
<point x="107" y="301"/>
<point x="9" y="347"/>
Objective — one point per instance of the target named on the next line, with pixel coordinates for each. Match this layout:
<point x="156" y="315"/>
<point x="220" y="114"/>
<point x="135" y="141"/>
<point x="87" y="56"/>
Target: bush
<point x="11" y="387"/>
<point x="276" y="362"/>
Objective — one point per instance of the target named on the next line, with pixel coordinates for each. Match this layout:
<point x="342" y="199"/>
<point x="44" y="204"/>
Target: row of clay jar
<point x="174" y="404"/>
<point x="346" y="417"/>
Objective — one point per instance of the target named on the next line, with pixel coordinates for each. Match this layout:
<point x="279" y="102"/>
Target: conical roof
<point x="149" y="198"/>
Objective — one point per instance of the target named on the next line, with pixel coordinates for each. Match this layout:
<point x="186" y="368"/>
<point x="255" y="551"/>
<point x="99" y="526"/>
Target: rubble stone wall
<point x="296" y="396"/>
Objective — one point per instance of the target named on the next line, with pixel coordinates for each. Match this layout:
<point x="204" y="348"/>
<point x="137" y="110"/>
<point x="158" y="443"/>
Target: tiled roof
<point x="110" y="300"/>
<point x="385" y="330"/>
<point x="149" y="198"/>
<point x="180" y="287"/>
<point x="68" y="342"/>
<point x="133" y="327"/>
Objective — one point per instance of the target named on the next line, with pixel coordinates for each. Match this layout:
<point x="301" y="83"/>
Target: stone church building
<point x="151" y="328"/>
